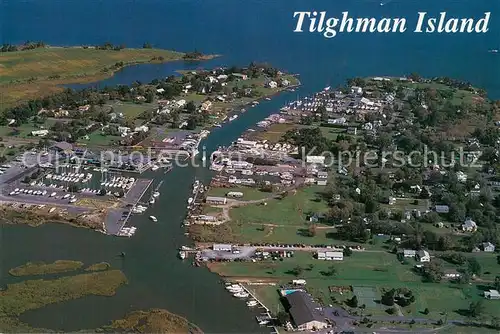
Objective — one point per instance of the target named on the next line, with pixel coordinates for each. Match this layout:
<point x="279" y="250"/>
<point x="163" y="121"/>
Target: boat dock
<point x="115" y="219"/>
<point x="265" y="316"/>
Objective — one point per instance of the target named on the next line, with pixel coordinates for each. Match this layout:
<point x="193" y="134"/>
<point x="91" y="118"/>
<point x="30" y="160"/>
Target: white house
<point x="315" y="159"/>
<point x="39" y="133"/>
<point x="160" y="90"/>
<point x="142" y="128"/>
<point x="180" y="103"/>
<point x="206" y="105"/>
<point x="423" y="256"/>
<point x="356" y="90"/>
<point x="461" y="176"/>
<point x="492" y="294"/>
<point x="272" y="84"/>
<point x="469" y="225"/>
<point x="409" y="252"/>
<point x="488" y="247"/>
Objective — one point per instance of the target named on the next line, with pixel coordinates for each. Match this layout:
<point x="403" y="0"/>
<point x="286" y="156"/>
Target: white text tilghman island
<point x="319" y="22"/>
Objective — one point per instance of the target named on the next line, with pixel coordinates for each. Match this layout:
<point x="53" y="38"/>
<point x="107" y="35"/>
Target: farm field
<point x="132" y="110"/>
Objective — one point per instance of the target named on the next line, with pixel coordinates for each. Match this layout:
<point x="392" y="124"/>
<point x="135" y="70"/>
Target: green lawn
<point x="291" y="210"/>
<point x="98" y="139"/>
<point x="376" y="270"/>
<point x="132" y="110"/>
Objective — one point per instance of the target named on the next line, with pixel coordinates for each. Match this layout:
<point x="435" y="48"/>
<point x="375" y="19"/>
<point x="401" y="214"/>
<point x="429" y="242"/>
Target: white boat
<point x="182" y="255"/>
<point x="190" y="200"/>
<point x="152" y="201"/>
<point x="53" y="194"/>
<point x="263" y="322"/>
<point x="232" y="118"/>
<point x="241" y="295"/>
<point x="73" y="200"/>
<point x="493" y="51"/>
<point x="252" y="303"/>
<point x="155" y="167"/>
<point x="156" y="194"/>
<point x="52" y="210"/>
<point x="153" y="218"/>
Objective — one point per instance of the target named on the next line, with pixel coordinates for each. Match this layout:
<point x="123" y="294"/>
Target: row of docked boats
<point x="239" y="292"/>
<point x="119" y="182"/>
<point x="127" y="231"/>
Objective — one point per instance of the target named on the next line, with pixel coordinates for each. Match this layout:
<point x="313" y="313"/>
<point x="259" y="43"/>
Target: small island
<point x="42" y="268"/>
<point x="152" y="321"/>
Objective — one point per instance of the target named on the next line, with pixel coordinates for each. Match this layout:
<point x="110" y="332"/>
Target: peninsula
<point x="35" y="70"/>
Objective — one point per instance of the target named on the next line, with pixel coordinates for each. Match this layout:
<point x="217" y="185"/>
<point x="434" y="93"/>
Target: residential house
<point x="63" y="147"/>
<point x="216" y="200"/>
<point x="306" y="314"/>
<point x="205" y="106"/>
<point x="142" y="128"/>
<point x="285" y="83"/>
<point x="356" y="90"/>
<point x="84" y="108"/>
<point x="39" y="133"/>
<point x="469" y="225"/>
<point x="423" y="256"/>
<point x="392" y="200"/>
<point x="272" y="84"/>
<point x="461" y="176"/>
<point x="240" y="76"/>
<point x="337" y="121"/>
<point x="322" y="175"/>
<point x="488" y="247"/>
<point x="451" y="274"/>
<point x="315" y="159"/>
<point x="492" y="294"/>
<point x="409" y="253"/>
<point x="321" y="182"/>
<point x="442" y="208"/>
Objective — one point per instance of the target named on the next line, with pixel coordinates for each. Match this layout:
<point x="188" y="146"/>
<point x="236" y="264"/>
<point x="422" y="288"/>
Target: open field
<point x="409" y="204"/>
<point x="42" y="268"/>
<point x="274" y="132"/>
<point x="132" y="110"/>
<point x="363" y="271"/>
<point x="291" y="210"/>
<point x="34" y="73"/>
<point x="249" y="194"/>
<point x="96" y="138"/>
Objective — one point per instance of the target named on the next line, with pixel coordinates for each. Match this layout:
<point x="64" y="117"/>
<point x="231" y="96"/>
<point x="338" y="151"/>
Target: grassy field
<point x="38" y="72"/>
<point x="42" y="268"/>
<point x="274" y="132"/>
<point x="291" y="210"/>
<point x="331" y="133"/>
<point x="96" y="138"/>
<point x="363" y="271"/>
<point x="249" y="194"/>
<point x="132" y="110"/>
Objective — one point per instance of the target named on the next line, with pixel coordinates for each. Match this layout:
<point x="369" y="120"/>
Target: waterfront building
<point x="306" y="313"/>
<point x="216" y="200"/>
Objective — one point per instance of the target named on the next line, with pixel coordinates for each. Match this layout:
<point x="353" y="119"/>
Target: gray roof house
<point x="306" y="313"/>
<point x="488" y="247"/>
<point x="442" y="208"/>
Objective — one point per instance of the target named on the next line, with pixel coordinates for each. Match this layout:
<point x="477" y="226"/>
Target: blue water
<point x="242" y="31"/>
<point x="249" y="30"/>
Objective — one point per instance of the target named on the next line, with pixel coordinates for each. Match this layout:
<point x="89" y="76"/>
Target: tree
<point x="102" y="192"/>
<point x="426" y="311"/>
<point x="297" y="271"/>
<point x="283" y="317"/>
<point x="353" y="302"/>
<point x="444" y="243"/>
<point x="474" y="266"/>
<point x="73" y="188"/>
<point x="347" y="251"/>
<point x="476" y="308"/>
<point x="497" y="283"/>
<point x="26" y="179"/>
<point x="311" y="230"/>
